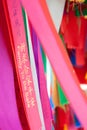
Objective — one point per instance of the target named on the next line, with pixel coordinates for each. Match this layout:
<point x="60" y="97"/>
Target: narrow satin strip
<point x="35" y="48"/>
<point x="59" y="59"/>
<point x="22" y="63"/>
<point x="55" y="95"/>
<point x="43" y="92"/>
<point x="49" y="76"/>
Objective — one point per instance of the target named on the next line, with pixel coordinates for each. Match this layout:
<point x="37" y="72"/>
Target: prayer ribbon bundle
<point x="43" y="65"/>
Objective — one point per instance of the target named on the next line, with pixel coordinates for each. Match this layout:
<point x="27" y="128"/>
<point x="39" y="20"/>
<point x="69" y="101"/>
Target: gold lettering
<point x="29" y="81"/>
<point x="27" y="99"/>
<point x="30" y="89"/>
<point x="25" y="85"/>
<point x="32" y="102"/>
<point x="24" y="59"/>
<point x="22" y="75"/>
<point x="19" y="59"/>
<point x="22" y="47"/>
<point x="26" y="77"/>
<point x="26" y="69"/>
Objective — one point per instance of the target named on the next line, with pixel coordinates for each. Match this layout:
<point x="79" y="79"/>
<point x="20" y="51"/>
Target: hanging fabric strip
<point x="43" y="92"/>
<point x="34" y="74"/>
<point x="9" y="118"/>
<point x="56" y="8"/>
<point x="18" y="43"/>
<point x="55" y="95"/>
<point x="48" y="73"/>
<point x="71" y="24"/>
<point x="35" y="48"/>
<point x="48" y="76"/>
<point x="42" y="83"/>
<point x="62" y="98"/>
<point x="44" y="58"/>
<point x="41" y="21"/>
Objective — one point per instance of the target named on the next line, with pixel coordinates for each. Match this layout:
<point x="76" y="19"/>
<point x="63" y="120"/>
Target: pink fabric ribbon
<point x="22" y="63"/>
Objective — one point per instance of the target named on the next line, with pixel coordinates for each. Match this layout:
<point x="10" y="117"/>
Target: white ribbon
<point x="49" y="76"/>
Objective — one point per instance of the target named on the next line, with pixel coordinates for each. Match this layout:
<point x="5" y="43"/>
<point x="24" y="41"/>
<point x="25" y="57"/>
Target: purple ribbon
<point x="9" y="119"/>
<point x="35" y="48"/>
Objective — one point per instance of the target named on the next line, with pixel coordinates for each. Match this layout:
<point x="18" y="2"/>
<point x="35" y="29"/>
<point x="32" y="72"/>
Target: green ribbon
<point x="44" y="59"/>
<point x="62" y="98"/>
